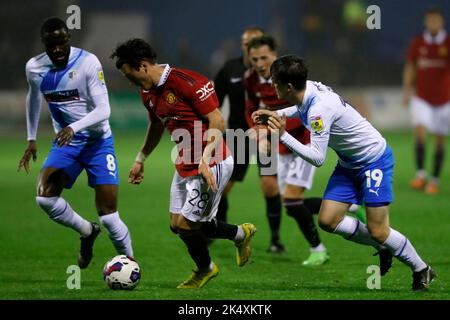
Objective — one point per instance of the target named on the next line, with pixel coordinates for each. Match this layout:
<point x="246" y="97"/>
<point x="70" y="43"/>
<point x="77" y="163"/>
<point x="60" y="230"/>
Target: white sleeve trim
<point x="291" y="112"/>
<point x="100" y="113"/>
<point x="315" y="153"/>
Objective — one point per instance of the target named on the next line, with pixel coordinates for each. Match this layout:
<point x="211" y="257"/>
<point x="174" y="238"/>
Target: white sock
<point x="353" y="208"/>
<point x="118" y="233"/>
<point x="434" y="180"/>
<point x="60" y="211"/>
<point x="356" y="231"/>
<point x="319" y="248"/>
<point x="404" y="251"/>
<point x="240" y="235"/>
<point x="421" y="174"/>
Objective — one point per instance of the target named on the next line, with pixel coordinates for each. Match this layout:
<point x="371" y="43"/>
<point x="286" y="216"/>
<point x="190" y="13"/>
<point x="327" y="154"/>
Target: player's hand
<point x="262" y="116"/>
<point x="205" y="171"/>
<point x="30" y="151"/>
<point x="64" y="136"/>
<point x="277" y="124"/>
<point x="136" y="173"/>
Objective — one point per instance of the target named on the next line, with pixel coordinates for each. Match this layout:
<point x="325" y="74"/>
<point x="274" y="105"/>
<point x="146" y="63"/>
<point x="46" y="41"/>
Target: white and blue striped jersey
<point x="334" y="123"/>
<point x="76" y="95"/>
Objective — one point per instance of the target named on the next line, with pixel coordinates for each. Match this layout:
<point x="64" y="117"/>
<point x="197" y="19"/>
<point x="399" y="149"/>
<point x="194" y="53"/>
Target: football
<point x="122" y="273"/>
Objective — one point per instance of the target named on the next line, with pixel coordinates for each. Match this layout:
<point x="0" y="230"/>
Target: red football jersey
<point x="180" y="101"/>
<point x="260" y="94"/>
<point x="432" y="60"/>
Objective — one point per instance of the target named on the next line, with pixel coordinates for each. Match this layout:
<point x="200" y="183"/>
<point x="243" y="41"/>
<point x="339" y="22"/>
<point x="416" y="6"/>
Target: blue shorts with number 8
<point x="97" y="157"/>
<point x="370" y="185"/>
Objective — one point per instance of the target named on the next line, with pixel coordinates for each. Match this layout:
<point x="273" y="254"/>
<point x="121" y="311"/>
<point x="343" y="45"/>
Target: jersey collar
<point x="306" y="97"/>
<point x="164" y="75"/>
<point x="438" y="39"/>
<point x="262" y="80"/>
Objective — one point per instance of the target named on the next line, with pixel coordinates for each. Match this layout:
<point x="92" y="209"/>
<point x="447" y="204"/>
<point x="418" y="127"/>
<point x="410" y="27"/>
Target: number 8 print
<point x="110" y="162"/>
<point x="376" y="175"/>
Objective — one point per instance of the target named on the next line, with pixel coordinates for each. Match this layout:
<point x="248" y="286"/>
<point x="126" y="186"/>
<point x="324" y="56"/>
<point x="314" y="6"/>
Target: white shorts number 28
<point x="191" y="198"/>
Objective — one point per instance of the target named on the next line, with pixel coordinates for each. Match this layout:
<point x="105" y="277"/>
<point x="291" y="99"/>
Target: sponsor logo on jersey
<point x="205" y="91"/>
<point x="168" y="118"/>
<point x="317" y="124"/>
<point x="101" y="77"/>
<point x="171" y="98"/>
<point x="235" y="79"/>
<point x="62" y="96"/>
<point x="72" y="74"/>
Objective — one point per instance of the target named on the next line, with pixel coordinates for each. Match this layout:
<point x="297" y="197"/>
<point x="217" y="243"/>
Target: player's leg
<point x="106" y="204"/>
<point x="100" y="162"/>
<point x="60" y="171"/>
<point x="241" y="161"/>
<point x="270" y="189"/>
<point x="196" y="243"/>
<point x="294" y="176"/>
<point x="198" y="204"/>
<point x="376" y="184"/>
<point x="272" y="197"/>
<point x="341" y="191"/>
<point x="421" y="119"/>
<point x="398" y="245"/>
<point x="440" y="129"/>
<point x="189" y="233"/>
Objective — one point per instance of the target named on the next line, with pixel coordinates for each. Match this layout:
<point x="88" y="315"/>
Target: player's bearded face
<point x="57" y="46"/>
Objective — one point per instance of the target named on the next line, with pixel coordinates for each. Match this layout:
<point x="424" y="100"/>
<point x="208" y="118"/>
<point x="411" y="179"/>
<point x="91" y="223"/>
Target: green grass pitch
<point x="36" y="252"/>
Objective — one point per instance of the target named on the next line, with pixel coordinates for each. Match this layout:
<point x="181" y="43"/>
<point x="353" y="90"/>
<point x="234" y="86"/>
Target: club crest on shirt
<point x="442" y="51"/>
<point x="72" y="73"/>
<point x="317" y="124"/>
<point x="171" y="98"/>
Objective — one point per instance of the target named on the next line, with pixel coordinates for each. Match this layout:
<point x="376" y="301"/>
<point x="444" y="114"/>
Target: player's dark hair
<point x="52" y="24"/>
<point x="433" y="10"/>
<point x="133" y="52"/>
<point x="290" y="69"/>
<point x="264" y="40"/>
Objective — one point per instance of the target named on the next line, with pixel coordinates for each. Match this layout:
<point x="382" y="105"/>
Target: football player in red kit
<point x="294" y="175"/>
<point x="184" y="102"/>
<point x="427" y="73"/>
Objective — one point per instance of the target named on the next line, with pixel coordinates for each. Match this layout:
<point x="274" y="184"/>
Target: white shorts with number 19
<point x="191" y="198"/>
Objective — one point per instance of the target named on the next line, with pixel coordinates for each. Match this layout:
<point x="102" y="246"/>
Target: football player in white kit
<point x="364" y="170"/>
<point x="71" y="80"/>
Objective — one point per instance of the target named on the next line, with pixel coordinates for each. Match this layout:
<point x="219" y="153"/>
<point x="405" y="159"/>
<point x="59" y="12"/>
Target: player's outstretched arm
<point x="152" y="138"/>
<point x="30" y="151"/>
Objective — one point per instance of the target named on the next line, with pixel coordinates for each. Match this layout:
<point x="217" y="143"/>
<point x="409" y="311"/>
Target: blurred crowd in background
<point x="362" y="64"/>
<point x="202" y="34"/>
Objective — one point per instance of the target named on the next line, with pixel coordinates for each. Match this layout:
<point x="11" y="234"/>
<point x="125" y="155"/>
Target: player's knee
<point x="379" y="233"/>
<point x="173" y="229"/>
<point x="327" y="224"/>
<point x="106" y="208"/>
<point x="48" y="204"/>
<point x="270" y="189"/>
